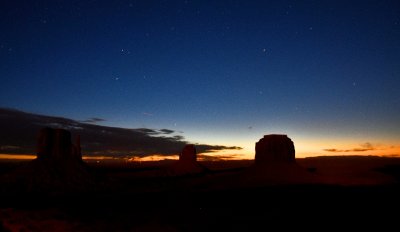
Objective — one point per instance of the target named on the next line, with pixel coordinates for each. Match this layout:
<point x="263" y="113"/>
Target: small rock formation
<point x="275" y="148"/>
<point x="188" y="154"/>
<point x="187" y="163"/>
<point x="58" y="167"/>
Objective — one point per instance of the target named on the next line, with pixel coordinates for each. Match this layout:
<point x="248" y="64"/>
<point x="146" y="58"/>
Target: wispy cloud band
<point x="19" y="132"/>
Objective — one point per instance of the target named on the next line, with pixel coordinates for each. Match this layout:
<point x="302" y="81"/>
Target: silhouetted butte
<point x="54" y="145"/>
<point x="187" y="163"/>
<point x="57" y="168"/>
<point x="275" y="163"/>
<point x="274" y="148"/>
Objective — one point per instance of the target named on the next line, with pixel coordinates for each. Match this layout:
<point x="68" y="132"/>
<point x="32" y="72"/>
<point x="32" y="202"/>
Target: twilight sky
<point x="326" y="73"/>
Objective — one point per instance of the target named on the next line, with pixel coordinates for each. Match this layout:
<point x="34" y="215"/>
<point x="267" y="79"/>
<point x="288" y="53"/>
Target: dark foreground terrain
<point x="351" y="192"/>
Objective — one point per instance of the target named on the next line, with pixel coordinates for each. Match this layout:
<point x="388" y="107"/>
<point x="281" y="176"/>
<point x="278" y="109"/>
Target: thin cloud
<point x="203" y="157"/>
<point x="147" y="114"/>
<point x="368" y="145"/>
<point x="93" y="120"/>
<point x="20" y="130"/>
<point x="363" y="147"/>
<point x="166" y="131"/>
<point x="178" y="137"/>
<point x="147" y="131"/>
<point x="9" y="148"/>
<point x="201" y="148"/>
<point x="333" y="150"/>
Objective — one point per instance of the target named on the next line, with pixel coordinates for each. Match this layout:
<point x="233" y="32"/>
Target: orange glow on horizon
<point x="155" y="157"/>
<point x="303" y="149"/>
<point x="18" y="156"/>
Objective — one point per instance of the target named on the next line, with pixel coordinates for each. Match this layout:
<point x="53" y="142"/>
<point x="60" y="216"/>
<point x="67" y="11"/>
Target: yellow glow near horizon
<point x="17" y="156"/>
<point x="155" y="157"/>
<point x="304" y="148"/>
<point x="311" y="148"/>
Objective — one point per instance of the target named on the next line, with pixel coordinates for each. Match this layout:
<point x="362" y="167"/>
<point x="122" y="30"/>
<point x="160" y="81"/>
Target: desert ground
<point x="230" y="195"/>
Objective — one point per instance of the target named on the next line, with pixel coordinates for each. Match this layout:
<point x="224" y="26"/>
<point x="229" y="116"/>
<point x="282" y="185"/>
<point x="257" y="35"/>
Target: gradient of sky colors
<point x="326" y="73"/>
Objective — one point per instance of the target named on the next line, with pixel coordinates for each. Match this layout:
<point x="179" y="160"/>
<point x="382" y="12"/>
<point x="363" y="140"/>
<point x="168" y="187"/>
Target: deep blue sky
<point x="325" y="72"/>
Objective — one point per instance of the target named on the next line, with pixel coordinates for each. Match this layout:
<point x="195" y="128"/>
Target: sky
<point x="215" y="72"/>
